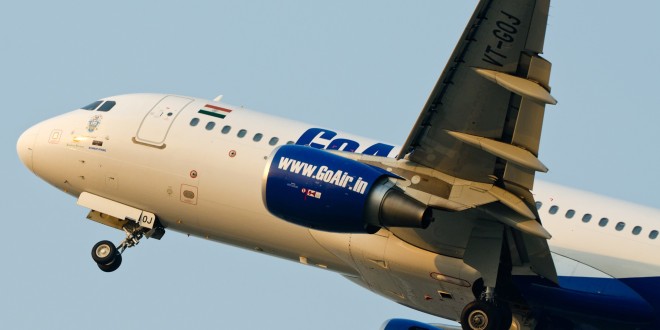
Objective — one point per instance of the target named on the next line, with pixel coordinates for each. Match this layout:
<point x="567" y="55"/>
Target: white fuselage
<point x="206" y="181"/>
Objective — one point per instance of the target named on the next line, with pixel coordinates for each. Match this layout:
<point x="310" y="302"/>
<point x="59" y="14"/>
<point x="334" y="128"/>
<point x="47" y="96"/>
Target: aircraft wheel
<point x="104" y="252"/>
<point x="480" y="315"/>
<point x="111" y="267"/>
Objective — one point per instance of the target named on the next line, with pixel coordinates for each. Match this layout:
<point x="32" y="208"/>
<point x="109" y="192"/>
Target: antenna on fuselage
<point x="218" y="98"/>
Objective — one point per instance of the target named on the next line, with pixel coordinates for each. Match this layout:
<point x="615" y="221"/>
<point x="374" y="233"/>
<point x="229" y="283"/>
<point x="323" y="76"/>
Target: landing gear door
<point x="156" y="124"/>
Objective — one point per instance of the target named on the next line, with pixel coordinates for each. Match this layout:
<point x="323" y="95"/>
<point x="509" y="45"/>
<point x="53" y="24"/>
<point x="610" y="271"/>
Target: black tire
<point x="104" y="252"/>
<point x="480" y="315"/>
<point x="111" y="267"/>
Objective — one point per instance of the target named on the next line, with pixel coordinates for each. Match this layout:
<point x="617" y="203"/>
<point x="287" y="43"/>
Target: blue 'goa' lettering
<point x="379" y="149"/>
<point x="320" y="138"/>
<point x="315" y="134"/>
<point x="343" y="144"/>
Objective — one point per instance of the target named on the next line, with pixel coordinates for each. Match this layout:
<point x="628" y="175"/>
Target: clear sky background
<point x="361" y="66"/>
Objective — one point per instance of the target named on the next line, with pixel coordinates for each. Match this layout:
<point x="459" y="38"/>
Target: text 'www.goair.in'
<point x="323" y="173"/>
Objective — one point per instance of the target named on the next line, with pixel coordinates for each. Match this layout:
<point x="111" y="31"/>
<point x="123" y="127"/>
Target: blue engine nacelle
<point x="403" y="324"/>
<point x="321" y="190"/>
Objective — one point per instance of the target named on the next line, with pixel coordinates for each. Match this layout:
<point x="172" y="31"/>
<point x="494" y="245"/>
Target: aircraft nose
<point x="25" y="146"/>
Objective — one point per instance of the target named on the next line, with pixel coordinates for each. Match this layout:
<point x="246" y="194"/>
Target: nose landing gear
<point x="108" y="257"/>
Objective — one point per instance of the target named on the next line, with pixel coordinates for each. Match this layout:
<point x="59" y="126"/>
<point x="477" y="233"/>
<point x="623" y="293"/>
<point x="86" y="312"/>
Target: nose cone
<point x="25" y="146"/>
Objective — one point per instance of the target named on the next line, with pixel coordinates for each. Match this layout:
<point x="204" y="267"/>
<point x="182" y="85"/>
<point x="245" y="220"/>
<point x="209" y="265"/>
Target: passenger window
<point x="538" y="205"/>
<point x="194" y="122"/>
<point x="273" y="141"/>
<point x="570" y="214"/>
<point x="603" y="222"/>
<point x="226" y="129"/>
<point x="637" y="230"/>
<point x="586" y="218"/>
<point x="241" y="133"/>
<point x="92" y="106"/>
<point x="289" y="142"/>
<point x="257" y="137"/>
<point x="553" y="209"/>
<point x="620" y="226"/>
<point x="210" y="125"/>
<point x="653" y="234"/>
<point x="107" y="106"/>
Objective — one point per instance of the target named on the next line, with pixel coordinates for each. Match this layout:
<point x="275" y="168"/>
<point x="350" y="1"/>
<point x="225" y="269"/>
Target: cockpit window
<point x="92" y="106"/>
<point x="107" y="106"/>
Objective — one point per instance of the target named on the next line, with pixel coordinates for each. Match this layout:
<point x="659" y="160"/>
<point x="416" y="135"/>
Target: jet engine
<point x="321" y="190"/>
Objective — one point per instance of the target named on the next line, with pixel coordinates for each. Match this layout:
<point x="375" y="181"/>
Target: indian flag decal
<point x="214" y="111"/>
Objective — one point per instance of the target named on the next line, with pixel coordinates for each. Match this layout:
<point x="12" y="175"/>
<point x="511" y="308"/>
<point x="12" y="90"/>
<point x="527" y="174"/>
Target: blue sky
<point x="365" y="67"/>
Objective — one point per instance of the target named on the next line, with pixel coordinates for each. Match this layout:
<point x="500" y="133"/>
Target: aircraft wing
<point x="482" y="122"/>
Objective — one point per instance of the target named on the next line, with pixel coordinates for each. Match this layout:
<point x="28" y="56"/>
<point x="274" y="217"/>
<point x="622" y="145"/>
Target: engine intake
<point x="324" y="191"/>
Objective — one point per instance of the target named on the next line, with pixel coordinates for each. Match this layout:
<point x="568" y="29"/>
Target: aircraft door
<point x="156" y="124"/>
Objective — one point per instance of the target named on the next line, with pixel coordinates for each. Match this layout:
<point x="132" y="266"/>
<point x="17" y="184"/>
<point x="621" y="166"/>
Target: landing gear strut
<point x="108" y="257"/>
<point x="484" y="253"/>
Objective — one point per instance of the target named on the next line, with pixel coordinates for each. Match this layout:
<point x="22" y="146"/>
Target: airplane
<point x="452" y="222"/>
